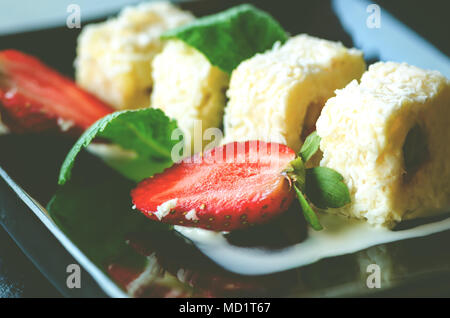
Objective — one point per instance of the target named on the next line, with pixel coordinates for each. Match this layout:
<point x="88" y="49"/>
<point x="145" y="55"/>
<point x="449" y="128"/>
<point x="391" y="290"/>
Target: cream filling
<point x="340" y="236"/>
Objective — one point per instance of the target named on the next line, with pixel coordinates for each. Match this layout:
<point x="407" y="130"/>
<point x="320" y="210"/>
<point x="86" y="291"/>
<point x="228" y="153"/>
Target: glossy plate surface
<point x="151" y="261"/>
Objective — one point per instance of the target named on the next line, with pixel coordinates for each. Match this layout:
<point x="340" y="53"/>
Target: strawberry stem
<point x="296" y="173"/>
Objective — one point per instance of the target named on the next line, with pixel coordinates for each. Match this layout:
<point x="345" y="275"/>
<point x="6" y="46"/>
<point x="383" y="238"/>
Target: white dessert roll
<point x="364" y="130"/>
<point x="278" y="95"/>
<point x="190" y="89"/>
<point x="114" y="57"/>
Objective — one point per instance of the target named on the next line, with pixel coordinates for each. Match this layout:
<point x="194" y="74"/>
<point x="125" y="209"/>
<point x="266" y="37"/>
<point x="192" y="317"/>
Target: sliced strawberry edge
<point x="32" y="93"/>
<point x="230" y="201"/>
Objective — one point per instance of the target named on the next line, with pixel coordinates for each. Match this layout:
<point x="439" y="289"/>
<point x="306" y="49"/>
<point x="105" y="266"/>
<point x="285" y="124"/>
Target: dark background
<point x="18" y="275"/>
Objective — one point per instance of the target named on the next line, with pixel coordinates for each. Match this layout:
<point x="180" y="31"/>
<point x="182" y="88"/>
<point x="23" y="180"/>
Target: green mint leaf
<point x="310" y="146"/>
<point x="94" y="210"/>
<point x="145" y="131"/>
<point x="415" y="149"/>
<point x="308" y="212"/>
<point x="232" y="36"/>
<point x="325" y="188"/>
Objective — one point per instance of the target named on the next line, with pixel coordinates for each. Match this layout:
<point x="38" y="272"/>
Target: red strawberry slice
<point x="227" y="188"/>
<point x="36" y="98"/>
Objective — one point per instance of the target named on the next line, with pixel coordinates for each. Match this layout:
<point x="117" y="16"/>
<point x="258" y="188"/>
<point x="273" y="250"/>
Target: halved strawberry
<point x="36" y="98"/>
<point x="227" y="188"/>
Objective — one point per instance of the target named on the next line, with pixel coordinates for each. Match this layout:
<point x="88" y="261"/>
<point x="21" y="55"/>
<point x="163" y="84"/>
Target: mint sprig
<point x="94" y="211"/>
<point x="308" y="212"/>
<point x="325" y="188"/>
<point x="147" y="132"/>
<point x="232" y="36"/>
<point x="322" y="186"/>
<point x="310" y="146"/>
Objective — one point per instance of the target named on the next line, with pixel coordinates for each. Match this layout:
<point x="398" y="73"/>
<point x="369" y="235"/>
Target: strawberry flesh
<point x="36" y="98"/>
<point x="221" y="195"/>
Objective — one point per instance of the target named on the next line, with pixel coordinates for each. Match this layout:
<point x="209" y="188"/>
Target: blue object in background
<point x="392" y="41"/>
<point x="25" y="15"/>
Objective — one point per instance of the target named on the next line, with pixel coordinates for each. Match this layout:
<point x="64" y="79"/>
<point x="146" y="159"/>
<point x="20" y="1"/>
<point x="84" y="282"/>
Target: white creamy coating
<point x="192" y="215"/>
<point x="114" y="57"/>
<point x="110" y="152"/>
<point x="164" y="209"/>
<point x="3" y="129"/>
<point x="151" y="272"/>
<point x="65" y="125"/>
<point x="188" y="88"/>
<point x="363" y="130"/>
<point x="275" y="95"/>
<point x="340" y="236"/>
